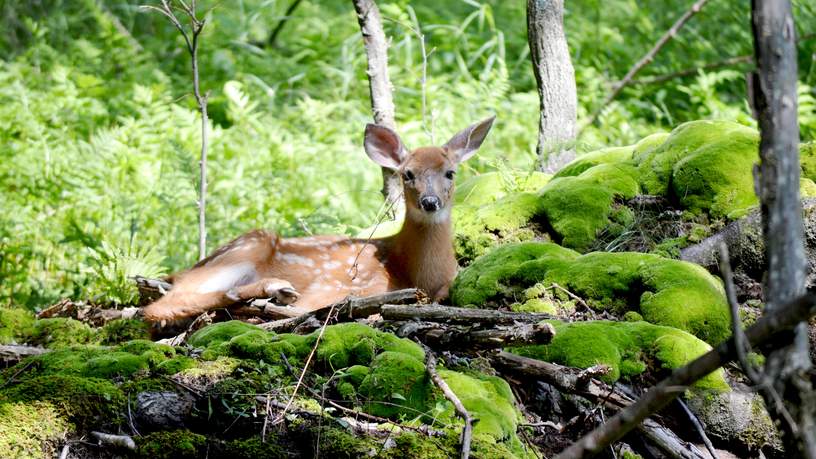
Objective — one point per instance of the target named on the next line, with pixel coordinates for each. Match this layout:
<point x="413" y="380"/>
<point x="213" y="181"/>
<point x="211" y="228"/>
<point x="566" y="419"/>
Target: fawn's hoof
<point x="282" y="291"/>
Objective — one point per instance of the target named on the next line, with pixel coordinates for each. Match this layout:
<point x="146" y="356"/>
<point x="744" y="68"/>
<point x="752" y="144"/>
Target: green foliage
<point x="15" y="324"/>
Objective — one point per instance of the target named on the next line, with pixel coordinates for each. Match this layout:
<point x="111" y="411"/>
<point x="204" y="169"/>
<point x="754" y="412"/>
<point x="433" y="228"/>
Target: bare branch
<point x="461" y="411"/>
<point x="645" y="60"/>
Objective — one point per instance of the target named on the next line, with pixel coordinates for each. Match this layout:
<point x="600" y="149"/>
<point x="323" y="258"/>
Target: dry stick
<point x="698" y="426"/>
<point x="467" y="430"/>
<point x="768" y="328"/>
<point x="583" y="383"/>
<point x="196" y="26"/>
<point x="645" y="60"/>
<point x="116" y="441"/>
<point x="443" y="336"/>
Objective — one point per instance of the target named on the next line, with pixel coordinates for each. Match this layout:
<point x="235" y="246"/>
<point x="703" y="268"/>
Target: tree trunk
<point x="382" y="99"/>
<point x="773" y="88"/>
<point x="555" y="78"/>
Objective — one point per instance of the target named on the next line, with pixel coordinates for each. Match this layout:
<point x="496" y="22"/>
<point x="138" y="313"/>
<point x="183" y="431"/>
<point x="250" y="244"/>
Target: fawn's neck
<point x="422" y="252"/>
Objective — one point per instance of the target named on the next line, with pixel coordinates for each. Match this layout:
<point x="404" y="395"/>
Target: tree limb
<point x="470" y="316"/>
<point x="441" y="336"/>
<point x="461" y="411"/>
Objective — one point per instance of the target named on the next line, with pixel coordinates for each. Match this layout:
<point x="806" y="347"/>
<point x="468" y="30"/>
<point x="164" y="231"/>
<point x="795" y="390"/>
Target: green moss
<point x="171" y="445"/>
<point x="706" y="166"/>
<point x="31" y="430"/>
<point x="16" y="325"/>
<point x="535" y="305"/>
<point x="254" y="448"/>
<point x="490" y="276"/>
<point x="121" y="330"/>
<point x="807" y="188"/>
<point x="632" y="316"/>
<point x="219" y="333"/>
<point x="348" y="344"/>
<point x="663" y="291"/>
<point x="578" y="208"/>
<point x="490" y="401"/>
<point x="61" y="332"/>
<point x="594" y="158"/>
<point x="85" y="401"/>
<point x="397" y="385"/>
<point x="626" y="347"/>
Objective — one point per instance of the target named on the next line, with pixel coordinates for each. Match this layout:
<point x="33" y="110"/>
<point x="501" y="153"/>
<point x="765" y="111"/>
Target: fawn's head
<point x="427" y="172"/>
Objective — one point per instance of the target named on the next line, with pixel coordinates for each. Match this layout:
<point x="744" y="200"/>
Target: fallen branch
<point x="441" y="336"/>
<point x="584" y="384"/>
<point x="115" y="441"/>
<point x="349" y="309"/>
<point x="767" y="329"/>
<point x="12" y="353"/>
<point x="470" y="316"/>
<point x="467" y="430"/>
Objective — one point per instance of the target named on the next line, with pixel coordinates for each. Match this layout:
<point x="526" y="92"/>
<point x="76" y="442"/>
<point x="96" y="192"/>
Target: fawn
<point x="311" y="272"/>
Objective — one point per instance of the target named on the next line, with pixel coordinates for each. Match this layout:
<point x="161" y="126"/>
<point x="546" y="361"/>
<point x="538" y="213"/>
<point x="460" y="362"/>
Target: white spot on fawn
<point x="294" y="259"/>
<point x="229" y="277"/>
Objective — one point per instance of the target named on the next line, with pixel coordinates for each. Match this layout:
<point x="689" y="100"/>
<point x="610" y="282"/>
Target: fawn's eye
<point x="408" y="175"/>
<point x="449" y="175"/>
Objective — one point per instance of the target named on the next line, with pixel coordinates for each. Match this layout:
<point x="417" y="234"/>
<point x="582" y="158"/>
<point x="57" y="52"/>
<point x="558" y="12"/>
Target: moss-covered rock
<point x="84" y="401"/>
<point x="15" y="325"/>
<point x="173" y="444"/>
<point x="61" y="332"/>
<point x="807" y="160"/>
<point x="578" y="208"/>
<point x="121" y="330"/>
<point x="663" y="291"/>
<point x="219" y="333"/>
<point x="628" y="348"/>
<point x="490" y="402"/>
<point x="495" y="207"/>
<point x="31" y="430"/>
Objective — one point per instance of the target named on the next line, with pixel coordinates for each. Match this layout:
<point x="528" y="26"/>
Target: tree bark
<point x="379" y="85"/>
<point x="452" y="337"/>
<point x="449" y="314"/>
<point x="555" y="78"/>
<point x="773" y="88"/>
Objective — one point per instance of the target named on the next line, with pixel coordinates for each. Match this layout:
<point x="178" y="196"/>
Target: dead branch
<point x="768" y="329"/>
<point x="442" y="336"/>
<point x="449" y="314"/>
<point x="349" y="309"/>
<point x="12" y="353"/>
<point x="380" y="88"/>
<point x="645" y="60"/>
<point x="461" y="411"/>
<point x="114" y="441"/>
<point x="584" y="384"/>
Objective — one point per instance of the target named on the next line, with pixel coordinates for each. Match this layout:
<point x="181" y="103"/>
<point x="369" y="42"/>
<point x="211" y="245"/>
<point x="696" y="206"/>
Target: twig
<point x="768" y="328"/>
<point x="740" y="344"/>
<point x="461" y="411"/>
<point x="116" y="441"/>
<point x="191" y="39"/>
<point x="13" y="352"/>
<point x="65" y="450"/>
<point x="645" y="60"/>
<point x="698" y="426"/>
<point x="288" y="14"/>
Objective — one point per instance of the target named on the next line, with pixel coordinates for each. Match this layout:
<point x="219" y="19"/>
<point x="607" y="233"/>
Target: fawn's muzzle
<point x="430" y="203"/>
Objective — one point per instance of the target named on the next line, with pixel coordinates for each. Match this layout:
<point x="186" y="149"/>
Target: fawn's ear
<point x="383" y="146"/>
<point x="465" y="143"/>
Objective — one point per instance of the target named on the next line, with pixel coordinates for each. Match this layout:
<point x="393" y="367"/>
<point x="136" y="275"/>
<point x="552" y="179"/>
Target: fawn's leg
<point x="270" y="287"/>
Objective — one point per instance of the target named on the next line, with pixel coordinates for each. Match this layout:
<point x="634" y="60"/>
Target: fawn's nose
<point x="430" y="203"/>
